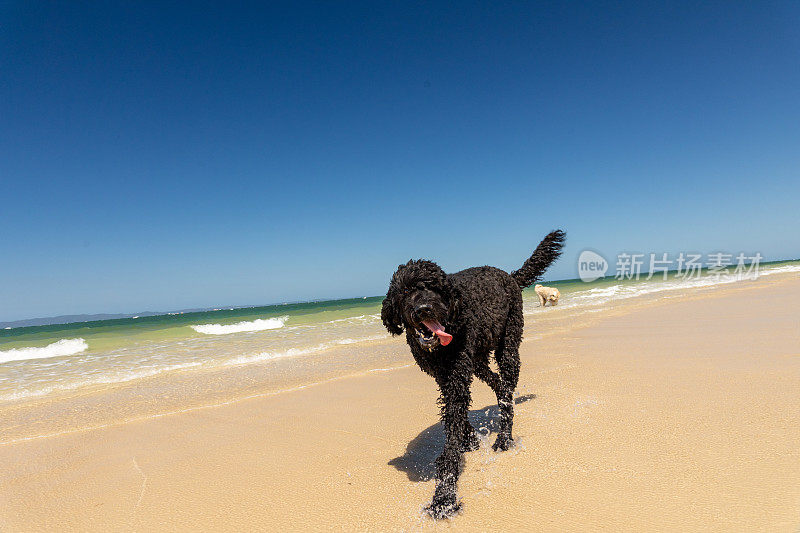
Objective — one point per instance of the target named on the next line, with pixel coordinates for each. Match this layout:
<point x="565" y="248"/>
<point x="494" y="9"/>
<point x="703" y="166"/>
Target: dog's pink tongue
<point x="437" y="328"/>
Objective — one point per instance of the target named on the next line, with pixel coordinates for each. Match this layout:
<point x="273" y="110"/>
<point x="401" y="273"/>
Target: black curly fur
<point x="544" y="255"/>
<point x="481" y="308"/>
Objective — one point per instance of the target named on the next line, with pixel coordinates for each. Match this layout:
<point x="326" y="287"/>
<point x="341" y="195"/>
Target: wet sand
<point x="676" y="416"/>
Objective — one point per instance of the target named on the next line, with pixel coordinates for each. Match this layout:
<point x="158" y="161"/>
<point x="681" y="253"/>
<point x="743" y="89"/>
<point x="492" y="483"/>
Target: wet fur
<point x="547" y="294"/>
<point x="482" y="308"/>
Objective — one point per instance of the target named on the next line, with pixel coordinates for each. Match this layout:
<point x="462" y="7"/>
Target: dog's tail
<point x="544" y="255"/>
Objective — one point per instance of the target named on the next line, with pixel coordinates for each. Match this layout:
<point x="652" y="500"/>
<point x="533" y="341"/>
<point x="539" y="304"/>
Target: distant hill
<point x="70" y="319"/>
<point x="67" y="319"/>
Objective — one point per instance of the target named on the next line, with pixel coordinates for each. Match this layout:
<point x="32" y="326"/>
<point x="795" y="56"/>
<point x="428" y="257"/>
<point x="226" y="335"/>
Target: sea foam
<point x="260" y="324"/>
<point x="779" y="270"/>
<point x="113" y="378"/>
<point x="294" y="352"/>
<point x="57" y="349"/>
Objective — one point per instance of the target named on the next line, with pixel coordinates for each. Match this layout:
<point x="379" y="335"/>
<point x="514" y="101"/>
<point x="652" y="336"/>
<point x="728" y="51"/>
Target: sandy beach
<point x="677" y="415"/>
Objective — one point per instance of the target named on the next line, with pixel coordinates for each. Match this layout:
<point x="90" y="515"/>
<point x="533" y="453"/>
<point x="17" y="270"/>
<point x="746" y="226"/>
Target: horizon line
<point x="9" y="324"/>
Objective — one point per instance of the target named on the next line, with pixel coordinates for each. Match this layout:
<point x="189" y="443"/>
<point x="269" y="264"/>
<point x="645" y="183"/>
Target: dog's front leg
<point x="455" y="401"/>
<point x="542" y="299"/>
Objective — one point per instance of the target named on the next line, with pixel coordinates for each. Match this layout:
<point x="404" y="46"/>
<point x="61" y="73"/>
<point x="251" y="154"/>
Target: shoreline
<point x="81" y="320"/>
<point x="185" y="390"/>
<point x="680" y="415"/>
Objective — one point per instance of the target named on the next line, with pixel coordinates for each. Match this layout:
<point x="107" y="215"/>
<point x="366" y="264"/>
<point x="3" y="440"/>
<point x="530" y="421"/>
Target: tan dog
<point x="547" y="294"/>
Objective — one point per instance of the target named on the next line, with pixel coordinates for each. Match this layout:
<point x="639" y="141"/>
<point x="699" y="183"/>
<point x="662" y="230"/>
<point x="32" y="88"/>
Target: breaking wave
<point x="260" y="324"/>
<point x="56" y="349"/>
<point x="780" y="270"/>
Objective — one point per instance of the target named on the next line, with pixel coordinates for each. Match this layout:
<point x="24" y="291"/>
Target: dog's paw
<point x="471" y="442"/>
<point x="503" y="443"/>
<point x="444" y="507"/>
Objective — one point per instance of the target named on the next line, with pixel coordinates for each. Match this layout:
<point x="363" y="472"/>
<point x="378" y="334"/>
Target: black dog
<point x="452" y="323"/>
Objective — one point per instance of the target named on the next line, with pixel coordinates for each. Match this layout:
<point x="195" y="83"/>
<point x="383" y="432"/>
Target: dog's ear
<point x="390" y="315"/>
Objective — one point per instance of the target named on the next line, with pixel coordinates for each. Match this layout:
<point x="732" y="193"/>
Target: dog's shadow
<point x="418" y="461"/>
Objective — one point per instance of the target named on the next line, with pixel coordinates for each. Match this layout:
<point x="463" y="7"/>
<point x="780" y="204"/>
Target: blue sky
<point x="168" y="155"/>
